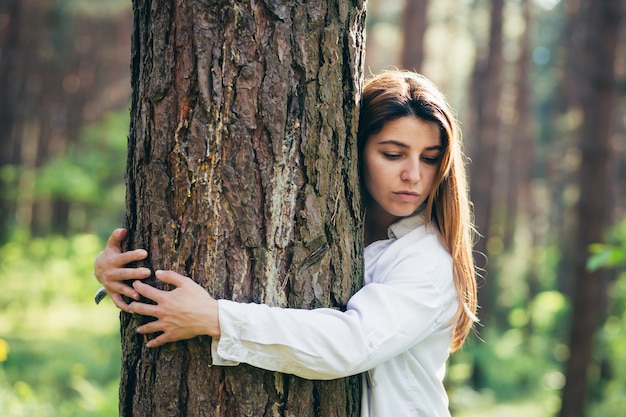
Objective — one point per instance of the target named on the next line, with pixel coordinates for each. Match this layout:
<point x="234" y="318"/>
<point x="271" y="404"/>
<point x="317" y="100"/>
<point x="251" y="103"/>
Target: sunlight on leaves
<point x="4" y="350"/>
<point x="546" y="306"/>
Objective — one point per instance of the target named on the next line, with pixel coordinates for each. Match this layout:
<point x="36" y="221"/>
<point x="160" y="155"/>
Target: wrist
<point x="213" y="322"/>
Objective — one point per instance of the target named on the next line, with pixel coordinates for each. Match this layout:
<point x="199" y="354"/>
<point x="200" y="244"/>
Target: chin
<point x="403" y="213"/>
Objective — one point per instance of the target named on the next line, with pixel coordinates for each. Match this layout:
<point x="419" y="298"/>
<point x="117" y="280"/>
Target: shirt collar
<point x="405" y="225"/>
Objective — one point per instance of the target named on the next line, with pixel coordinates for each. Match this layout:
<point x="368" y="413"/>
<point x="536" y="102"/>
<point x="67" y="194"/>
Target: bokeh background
<point x="518" y="74"/>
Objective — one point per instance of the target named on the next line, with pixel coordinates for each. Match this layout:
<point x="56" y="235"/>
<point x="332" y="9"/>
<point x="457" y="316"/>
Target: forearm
<point x="313" y="344"/>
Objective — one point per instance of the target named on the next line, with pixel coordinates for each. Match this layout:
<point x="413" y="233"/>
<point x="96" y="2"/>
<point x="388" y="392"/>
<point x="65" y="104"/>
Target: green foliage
<point x="93" y="7"/>
<point x="610" y="390"/>
<point x="59" y="352"/>
<point x="89" y="176"/>
<point x="611" y="254"/>
<point x="521" y="354"/>
<point x="92" y="166"/>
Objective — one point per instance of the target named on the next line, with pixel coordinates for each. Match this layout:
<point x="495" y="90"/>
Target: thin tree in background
<point x="242" y="175"/>
<point x="524" y="211"/>
<point x="10" y="92"/>
<point x="598" y="93"/>
<point x="560" y="172"/>
<point x="519" y="198"/>
<point x="486" y="90"/>
<point x="414" y="23"/>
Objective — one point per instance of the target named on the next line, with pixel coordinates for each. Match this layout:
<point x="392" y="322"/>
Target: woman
<point x="419" y="298"/>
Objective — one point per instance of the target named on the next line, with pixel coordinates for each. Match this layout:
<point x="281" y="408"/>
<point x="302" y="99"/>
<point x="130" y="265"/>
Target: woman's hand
<point x="182" y="313"/>
<point x="111" y="271"/>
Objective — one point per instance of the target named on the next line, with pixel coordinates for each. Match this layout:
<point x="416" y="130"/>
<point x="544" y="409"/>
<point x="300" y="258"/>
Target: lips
<point x="407" y="195"/>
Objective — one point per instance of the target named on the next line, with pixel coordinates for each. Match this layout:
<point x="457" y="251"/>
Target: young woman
<point x="419" y="298"/>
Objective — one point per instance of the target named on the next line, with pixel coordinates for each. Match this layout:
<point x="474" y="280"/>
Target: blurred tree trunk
<point x="569" y="113"/>
<point x="50" y="87"/>
<point x="598" y="93"/>
<point x="242" y="175"/>
<point x="485" y="94"/>
<point x="415" y="23"/>
<point x="13" y="49"/>
<point x="525" y="213"/>
<point x="519" y="198"/>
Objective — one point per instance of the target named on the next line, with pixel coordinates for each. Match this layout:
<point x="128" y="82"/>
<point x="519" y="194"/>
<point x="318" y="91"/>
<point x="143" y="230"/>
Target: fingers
<point x="171" y="277"/>
<point x="111" y="275"/>
<point x="123" y="289"/>
<point x="119" y="302"/>
<point x="158" y="341"/>
<point x="124" y="258"/>
<point x="117" y="237"/>
<point x="144" y="309"/>
<point x="153" y="326"/>
<point x="109" y="265"/>
<point x="149" y="292"/>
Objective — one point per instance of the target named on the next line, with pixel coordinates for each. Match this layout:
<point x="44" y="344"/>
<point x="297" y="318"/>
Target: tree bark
<point x="242" y="174"/>
<point x="598" y="92"/>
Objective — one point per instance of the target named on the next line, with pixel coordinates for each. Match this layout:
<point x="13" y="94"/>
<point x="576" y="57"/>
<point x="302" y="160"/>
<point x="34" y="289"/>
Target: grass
<point x="59" y="360"/>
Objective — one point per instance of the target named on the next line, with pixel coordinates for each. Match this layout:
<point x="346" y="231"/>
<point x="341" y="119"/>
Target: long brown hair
<point x="395" y="94"/>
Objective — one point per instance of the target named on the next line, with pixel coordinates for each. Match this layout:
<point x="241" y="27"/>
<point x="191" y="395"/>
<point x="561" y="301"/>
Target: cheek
<point x="371" y="171"/>
<point x="431" y="174"/>
<point x="367" y="178"/>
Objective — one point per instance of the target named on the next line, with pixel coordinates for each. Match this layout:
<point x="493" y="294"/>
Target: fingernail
<point x="158" y="272"/>
<point x="146" y="272"/>
<point x="136" y="296"/>
<point x="143" y="252"/>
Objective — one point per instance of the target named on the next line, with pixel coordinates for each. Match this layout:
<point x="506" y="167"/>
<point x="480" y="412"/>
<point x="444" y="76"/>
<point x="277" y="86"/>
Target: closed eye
<point x="432" y="160"/>
<point x="392" y="156"/>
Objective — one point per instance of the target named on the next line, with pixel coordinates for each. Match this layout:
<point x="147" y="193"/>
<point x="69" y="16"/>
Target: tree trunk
<point x="520" y="203"/>
<point x="415" y="23"/>
<point x="12" y="67"/>
<point x="242" y="174"/>
<point x="486" y="92"/>
<point x="566" y="106"/>
<point x="597" y="178"/>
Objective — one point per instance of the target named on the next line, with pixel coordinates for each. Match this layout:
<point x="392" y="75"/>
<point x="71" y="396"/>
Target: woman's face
<point x="399" y="165"/>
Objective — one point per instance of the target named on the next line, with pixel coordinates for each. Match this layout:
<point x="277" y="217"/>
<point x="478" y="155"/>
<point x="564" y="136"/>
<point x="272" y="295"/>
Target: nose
<point x="411" y="171"/>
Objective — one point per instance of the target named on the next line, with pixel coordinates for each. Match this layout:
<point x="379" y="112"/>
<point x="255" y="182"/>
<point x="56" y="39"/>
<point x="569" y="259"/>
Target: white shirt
<point x="397" y="328"/>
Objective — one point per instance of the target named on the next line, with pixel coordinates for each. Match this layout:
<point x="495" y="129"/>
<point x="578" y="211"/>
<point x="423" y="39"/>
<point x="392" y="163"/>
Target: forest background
<point x="517" y="71"/>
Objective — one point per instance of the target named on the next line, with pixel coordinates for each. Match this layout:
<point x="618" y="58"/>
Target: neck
<point x="377" y="222"/>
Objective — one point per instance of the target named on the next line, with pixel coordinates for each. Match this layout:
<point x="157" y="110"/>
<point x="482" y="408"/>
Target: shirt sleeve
<point x="381" y="321"/>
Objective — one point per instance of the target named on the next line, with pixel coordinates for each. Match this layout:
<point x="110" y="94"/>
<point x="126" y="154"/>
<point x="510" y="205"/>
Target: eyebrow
<point x="404" y="145"/>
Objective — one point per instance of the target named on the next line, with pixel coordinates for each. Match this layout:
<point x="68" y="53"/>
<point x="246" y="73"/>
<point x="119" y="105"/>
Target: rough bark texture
<point x="597" y="178"/>
<point x="242" y="175"/>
